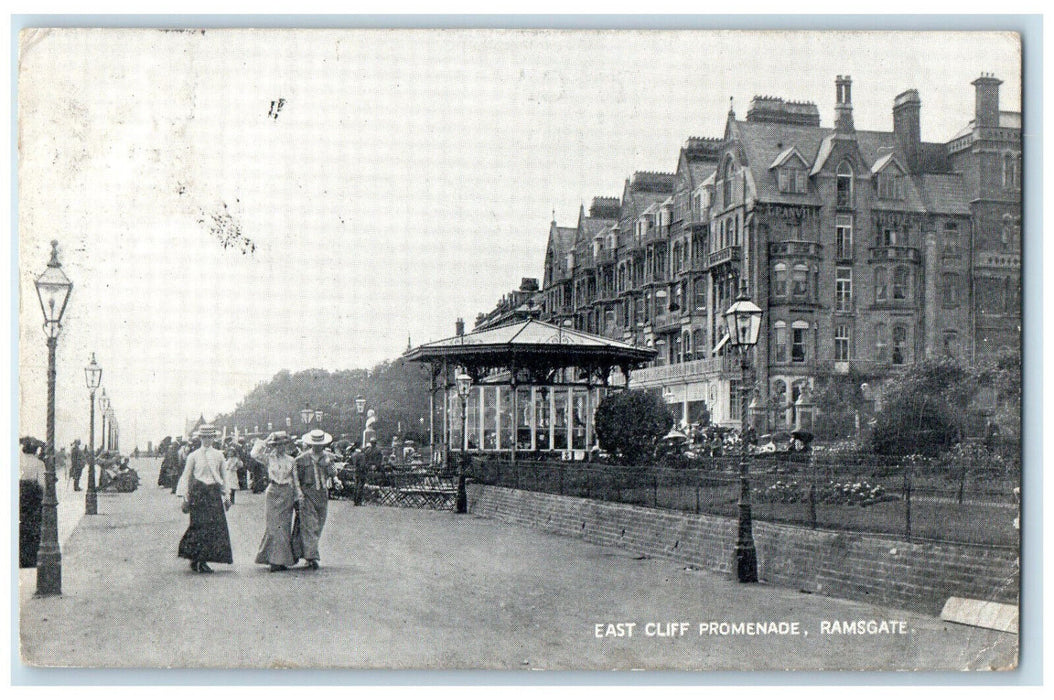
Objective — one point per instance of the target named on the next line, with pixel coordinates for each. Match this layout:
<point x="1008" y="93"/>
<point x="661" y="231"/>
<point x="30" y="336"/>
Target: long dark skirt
<point x="207" y="538"/>
<point x="30" y="495"/>
<point x="309" y="519"/>
<point x="169" y="473"/>
<point x="276" y="547"/>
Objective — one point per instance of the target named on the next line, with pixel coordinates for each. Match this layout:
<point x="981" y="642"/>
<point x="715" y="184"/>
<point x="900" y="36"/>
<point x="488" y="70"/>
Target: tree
<point x="397" y="390"/>
<point x="838" y="403"/>
<point x="630" y="424"/>
<point x="925" y="408"/>
<point x="999" y="395"/>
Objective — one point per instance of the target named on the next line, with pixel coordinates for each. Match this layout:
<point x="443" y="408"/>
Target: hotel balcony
<point x="895" y="254"/>
<point x="796" y="249"/>
<point x="730" y="254"/>
<point x="685" y="371"/>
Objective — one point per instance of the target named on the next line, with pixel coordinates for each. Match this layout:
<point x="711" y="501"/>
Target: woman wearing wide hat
<point x="282" y="494"/>
<point x="31" y="482"/>
<point x="204" y="488"/>
<point x="314" y="468"/>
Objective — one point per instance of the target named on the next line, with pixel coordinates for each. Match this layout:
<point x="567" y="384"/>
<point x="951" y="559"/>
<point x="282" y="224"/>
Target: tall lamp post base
<point x="745" y="553"/>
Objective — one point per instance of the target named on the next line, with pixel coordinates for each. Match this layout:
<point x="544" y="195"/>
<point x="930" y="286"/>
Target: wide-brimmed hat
<point x="317" y="437"/>
<point x="207" y="430"/>
<point x="279" y="438"/>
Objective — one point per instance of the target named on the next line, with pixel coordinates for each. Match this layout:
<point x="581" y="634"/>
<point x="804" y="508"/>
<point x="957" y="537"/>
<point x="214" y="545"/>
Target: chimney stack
<point x="843" y="107"/>
<point x="459" y="327"/>
<point x="907" y="133"/>
<point x="986" y="112"/>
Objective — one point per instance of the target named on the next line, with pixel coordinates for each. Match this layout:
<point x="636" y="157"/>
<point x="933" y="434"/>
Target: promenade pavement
<point x="412" y="589"/>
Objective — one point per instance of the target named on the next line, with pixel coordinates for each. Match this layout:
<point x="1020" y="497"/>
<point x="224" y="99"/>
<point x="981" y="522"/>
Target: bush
<point x="924" y="409"/>
<point x="630" y="425"/>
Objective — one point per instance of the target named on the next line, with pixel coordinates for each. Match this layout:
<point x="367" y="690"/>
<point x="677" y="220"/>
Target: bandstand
<point x="534" y="388"/>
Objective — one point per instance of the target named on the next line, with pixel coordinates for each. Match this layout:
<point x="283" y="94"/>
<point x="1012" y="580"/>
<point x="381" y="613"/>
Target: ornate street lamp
<point x="92" y="378"/>
<point x="306" y="414"/>
<point x="53" y="290"/>
<point x="104" y="404"/>
<point x="464" y="386"/>
<point x="743" y="320"/>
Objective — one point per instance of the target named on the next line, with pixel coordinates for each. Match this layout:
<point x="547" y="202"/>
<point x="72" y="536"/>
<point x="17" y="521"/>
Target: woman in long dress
<point x="314" y="469"/>
<point x="168" y="476"/>
<point x="283" y="493"/>
<point x="31" y="481"/>
<point x="203" y="486"/>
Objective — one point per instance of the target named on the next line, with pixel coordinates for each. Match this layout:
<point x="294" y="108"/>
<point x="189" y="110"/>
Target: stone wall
<point x="910" y="575"/>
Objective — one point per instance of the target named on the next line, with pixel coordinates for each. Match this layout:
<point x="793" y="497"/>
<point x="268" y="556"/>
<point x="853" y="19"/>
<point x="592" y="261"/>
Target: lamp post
<point x="92" y="377"/>
<point x="360" y="406"/>
<point x="104" y="406"/>
<point x="53" y="290"/>
<point x="114" y="433"/>
<point x="743" y="319"/>
<point x="464" y="385"/>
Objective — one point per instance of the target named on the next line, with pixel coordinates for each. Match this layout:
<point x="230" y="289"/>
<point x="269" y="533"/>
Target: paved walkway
<point x="410" y="589"/>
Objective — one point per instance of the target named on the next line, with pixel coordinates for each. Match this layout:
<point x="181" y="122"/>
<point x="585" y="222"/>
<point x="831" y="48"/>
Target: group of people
<point x="297" y="496"/>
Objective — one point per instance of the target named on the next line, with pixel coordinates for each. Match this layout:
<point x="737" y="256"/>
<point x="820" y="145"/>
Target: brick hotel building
<point x="866" y="250"/>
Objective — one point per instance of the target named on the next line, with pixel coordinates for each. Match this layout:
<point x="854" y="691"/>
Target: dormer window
<point x="611" y="241"/>
<point x="844" y="185"/>
<point x="570" y="261"/>
<point x="792" y="180"/>
<point x="889" y="185"/>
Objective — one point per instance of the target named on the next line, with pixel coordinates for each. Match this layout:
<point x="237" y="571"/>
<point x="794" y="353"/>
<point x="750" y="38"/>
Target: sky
<point x="231" y="203"/>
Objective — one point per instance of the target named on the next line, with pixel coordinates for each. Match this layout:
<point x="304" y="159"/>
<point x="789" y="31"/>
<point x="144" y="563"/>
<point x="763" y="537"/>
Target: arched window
<point x="902" y="283"/>
<point x="881" y="343"/>
<point x="779" y="341"/>
<point x="800" y="282"/>
<point x="779" y="393"/>
<point x="726" y="184"/>
<point x="779" y="401"/>
<point x="844" y="184"/>
<point x="900" y="345"/>
<point x="779" y="280"/>
<point x="799" y="334"/>
<point x="881" y="285"/>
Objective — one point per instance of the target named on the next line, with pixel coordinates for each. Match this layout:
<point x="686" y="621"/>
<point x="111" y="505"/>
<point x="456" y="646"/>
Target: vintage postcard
<point x="520" y="349"/>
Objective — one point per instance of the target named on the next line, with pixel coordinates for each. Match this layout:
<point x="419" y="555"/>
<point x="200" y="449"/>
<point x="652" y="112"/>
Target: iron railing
<point x="968" y="504"/>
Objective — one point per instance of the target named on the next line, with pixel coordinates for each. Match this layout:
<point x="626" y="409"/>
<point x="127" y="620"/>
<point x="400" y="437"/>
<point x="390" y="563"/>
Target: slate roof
<point x="763" y="144"/>
<point x="561" y="240"/>
<point x="525" y="338"/>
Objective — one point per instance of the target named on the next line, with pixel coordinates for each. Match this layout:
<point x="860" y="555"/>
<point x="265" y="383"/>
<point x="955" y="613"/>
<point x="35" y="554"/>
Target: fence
<point x="965" y="505"/>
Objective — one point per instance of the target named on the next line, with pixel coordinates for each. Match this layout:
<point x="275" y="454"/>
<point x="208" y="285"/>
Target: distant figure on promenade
<point x="283" y="493"/>
<point x="31" y="474"/>
<point x="203" y="486"/>
<point x="257" y="473"/>
<point x="314" y="469"/>
<point x="77" y="457"/>
<point x="243" y="471"/>
<point x="233" y="465"/>
<point x="171" y="468"/>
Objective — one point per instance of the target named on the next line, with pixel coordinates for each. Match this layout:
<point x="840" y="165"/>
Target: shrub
<point x="630" y="424"/>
